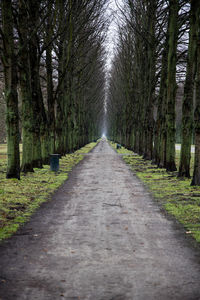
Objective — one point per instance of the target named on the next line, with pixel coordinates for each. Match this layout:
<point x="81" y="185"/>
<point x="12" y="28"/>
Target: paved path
<point x="100" y="238"/>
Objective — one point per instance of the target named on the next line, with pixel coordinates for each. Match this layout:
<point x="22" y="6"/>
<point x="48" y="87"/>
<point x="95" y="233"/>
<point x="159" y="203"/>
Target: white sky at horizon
<point x="113" y="11"/>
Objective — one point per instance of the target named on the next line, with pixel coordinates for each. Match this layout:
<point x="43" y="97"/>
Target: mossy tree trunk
<point x="25" y="90"/>
<point x="187" y="107"/>
<point x="141" y="95"/>
<point x="64" y="136"/>
<point x="171" y="84"/>
<point x="50" y="99"/>
<point x="33" y="17"/>
<point x="196" y="174"/>
<point x="151" y="81"/>
<point x="44" y="129"/>
<point x="160" y="127"/>
<point x="49" y="70"/>
<point x="59" y="125"/>
<point x="11" y="97"/>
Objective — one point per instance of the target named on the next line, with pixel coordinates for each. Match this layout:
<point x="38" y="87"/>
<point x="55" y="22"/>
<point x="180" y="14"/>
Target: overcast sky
<point x="112" y="32"/>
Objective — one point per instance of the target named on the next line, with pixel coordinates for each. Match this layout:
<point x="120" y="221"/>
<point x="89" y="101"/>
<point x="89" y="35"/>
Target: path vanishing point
<point x="101" y="237"/>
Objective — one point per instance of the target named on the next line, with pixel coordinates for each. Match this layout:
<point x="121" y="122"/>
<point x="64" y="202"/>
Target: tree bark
<point x="171" y="84"/>
<point x="160" y="139"/>
<point x="151" y="82"/>
<point x="49" y="70"/>
<point x="187" y="107"/>
<point x="33" y="17"/>
<point x="25" y="90"/>
<point x="196" y="174"/>
<point x="11" y="96"/>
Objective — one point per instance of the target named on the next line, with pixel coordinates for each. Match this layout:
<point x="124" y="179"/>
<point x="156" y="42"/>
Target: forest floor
<point x="101" y="237"/>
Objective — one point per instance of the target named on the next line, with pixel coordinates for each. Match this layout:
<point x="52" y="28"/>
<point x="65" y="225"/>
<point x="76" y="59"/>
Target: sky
<point x="113" y="11"/>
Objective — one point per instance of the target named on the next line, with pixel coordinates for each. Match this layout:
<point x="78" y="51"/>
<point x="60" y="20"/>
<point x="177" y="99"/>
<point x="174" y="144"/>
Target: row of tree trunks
<point x="51" y="52"/>
<point x="142" y="116"/>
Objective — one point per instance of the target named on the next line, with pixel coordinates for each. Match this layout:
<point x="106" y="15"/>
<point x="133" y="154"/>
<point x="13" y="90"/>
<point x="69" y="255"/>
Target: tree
<point x="8" y="57"/>
<point x="196" y="174"/>
<point x="25" y="88"/>
<point x="187" y="107"/>
<point x="171" y="84"/>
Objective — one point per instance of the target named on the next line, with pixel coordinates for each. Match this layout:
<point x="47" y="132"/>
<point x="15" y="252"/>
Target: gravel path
<point x="100" y="238"/>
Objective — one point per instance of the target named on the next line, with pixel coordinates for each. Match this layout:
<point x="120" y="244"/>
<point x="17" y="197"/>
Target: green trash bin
<point x="54" y="162"/>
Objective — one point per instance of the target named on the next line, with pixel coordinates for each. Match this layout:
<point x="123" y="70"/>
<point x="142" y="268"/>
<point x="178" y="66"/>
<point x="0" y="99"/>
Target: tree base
<point x="171" y="167"/>
<point x="195" y="181"/>
<point x="15" y="175"/>
<point x="37" y="164"/>
<point x="184" y="174"/>
<point x="27" y="168"/>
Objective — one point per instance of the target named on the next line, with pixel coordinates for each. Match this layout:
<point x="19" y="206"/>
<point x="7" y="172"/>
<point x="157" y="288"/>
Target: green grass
<point x="177" y="196"/>
<point x="20" y="198"/>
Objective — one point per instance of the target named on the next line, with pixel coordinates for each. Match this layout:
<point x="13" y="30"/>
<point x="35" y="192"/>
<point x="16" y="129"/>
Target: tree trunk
<point x="171" y="84"/>
<point x="160" y="142"/>
<point x="11" y="97"/>
<point x="187" y="107"/>
<point x="37" y="98"/>
<point x="151" y="82"/>
<point x="196" y="174"/>
<point x="49" y="70"/>
<point x="59" y="144"/>
<point x="25" y="91"/>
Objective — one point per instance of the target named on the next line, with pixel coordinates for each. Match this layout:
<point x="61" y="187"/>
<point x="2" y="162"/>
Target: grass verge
<point x="19" y="199"/>
<point x="177" y="196"/>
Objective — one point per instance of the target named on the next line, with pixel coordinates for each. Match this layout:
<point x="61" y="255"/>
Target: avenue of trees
<point x="52" y="61"/>
<point x="158" y="49"/>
